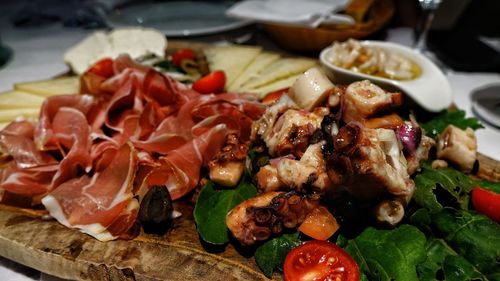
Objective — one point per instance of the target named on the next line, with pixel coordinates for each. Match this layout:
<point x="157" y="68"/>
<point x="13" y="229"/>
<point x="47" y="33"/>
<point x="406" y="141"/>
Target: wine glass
<point x="429" y="8"/>
<point x="5" y="54"/>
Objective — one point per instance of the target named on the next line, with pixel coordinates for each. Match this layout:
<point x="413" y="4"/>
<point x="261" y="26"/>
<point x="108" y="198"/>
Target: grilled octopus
<point x="257" y="218"/>
<point x="369" y="164"/>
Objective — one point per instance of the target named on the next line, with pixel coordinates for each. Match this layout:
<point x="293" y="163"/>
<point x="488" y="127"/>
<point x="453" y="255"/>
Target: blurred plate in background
<point x="177" y="18"/>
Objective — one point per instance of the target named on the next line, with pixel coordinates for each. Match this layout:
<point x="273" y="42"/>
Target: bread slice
<point x="275" y="86"/>
<point x="46" y="88"/>
<point x="19" y="99"/>
<point x="231" y="59"/>
<point x="262" y="61"/>
<point x="278" y="70"/>
<point x="7" y="115"/>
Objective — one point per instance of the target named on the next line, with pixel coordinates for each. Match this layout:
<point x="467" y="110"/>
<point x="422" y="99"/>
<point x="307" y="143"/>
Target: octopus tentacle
<point x="256" y="219"/>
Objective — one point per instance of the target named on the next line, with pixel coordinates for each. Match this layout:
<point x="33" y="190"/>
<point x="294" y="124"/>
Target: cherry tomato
<point x="320" y="260"/>
<point x="214" y="82"/>
<point x="486" y="202"/>
<point x="103" y="68"/>
<point x="319" y="224"/>
<point x="274" y="96"/>
<point x="182" y="54"/>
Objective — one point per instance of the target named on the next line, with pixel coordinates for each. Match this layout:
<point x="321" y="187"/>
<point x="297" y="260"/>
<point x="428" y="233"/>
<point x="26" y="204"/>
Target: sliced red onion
<point x="410" y="136"/>
<point x="274" y="162"/>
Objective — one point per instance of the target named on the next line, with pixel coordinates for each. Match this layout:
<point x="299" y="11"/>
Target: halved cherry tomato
<point x="274" y="96"/>
<point x="103" y="68"/>
<point x="320" y="260"/>
<point x="182" y="54"/>
<point x="486" y="202"/>
<point x="214" y="82"/>
<point x="319" y="224"/>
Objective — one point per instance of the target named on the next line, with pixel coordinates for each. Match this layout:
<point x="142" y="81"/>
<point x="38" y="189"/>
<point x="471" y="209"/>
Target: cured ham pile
<point x="92" y="157"/>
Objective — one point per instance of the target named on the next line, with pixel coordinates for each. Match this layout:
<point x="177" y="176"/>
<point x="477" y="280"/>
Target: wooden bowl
<point x="303" y="39"/>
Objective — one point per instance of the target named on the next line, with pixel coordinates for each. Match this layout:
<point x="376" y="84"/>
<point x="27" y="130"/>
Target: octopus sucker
<point x="257" y="218"/>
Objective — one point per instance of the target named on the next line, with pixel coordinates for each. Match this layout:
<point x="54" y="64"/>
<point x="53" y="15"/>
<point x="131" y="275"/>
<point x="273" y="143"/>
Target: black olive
<point x="156" y="210"/>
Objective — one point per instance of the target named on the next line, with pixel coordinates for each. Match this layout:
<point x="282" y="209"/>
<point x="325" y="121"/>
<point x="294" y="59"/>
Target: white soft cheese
<point x="136" y="42"/>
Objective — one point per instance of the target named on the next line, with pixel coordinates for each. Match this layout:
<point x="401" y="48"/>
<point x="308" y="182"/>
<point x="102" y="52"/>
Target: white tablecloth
<point x="38" y="55"/>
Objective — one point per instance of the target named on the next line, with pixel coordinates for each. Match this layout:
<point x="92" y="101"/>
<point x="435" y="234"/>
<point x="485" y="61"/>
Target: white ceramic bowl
<point x="431" y="89"/>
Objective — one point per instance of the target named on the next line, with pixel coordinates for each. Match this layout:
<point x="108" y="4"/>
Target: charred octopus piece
<point x="369" y="163"/>
<point x="363" y="100"/>
<point x="257" y="218"/>
<point x="228" y="165"/>
<point x="290" y="132"/>
<point x="458" y="147"/>
<point x="304" y="175"/>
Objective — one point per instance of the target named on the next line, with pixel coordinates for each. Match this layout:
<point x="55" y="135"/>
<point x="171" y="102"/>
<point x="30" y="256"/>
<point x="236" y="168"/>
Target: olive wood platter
<point x="28" y="238"/>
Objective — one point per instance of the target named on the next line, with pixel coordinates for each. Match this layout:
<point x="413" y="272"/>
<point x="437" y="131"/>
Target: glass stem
<point x="420" y="40"/>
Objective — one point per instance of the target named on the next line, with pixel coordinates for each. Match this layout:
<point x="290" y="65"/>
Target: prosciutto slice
<point x="92" y="204"/>
<point x="91" y="157"/>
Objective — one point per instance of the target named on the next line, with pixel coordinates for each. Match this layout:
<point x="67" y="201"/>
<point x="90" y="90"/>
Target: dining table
<point x="38" y="54"/>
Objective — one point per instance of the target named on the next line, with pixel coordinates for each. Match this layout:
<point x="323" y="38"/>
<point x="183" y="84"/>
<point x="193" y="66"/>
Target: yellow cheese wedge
<point x="280" y="69"/>
<point x="19" y="99"/>
<point x="7" y="115"/>
<point x="231" y="59"/>
<point x="275" y="86"/>
<point x="46" y="88"/>
<point x="3" y="125"/>
<point x="262" y="61"/>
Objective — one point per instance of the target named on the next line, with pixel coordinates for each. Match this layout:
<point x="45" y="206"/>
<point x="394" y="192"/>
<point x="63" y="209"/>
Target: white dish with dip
<point x="430" y="89"/>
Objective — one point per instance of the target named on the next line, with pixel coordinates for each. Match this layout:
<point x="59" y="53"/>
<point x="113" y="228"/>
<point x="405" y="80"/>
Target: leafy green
<point x="456" y="268"/>
<point x="437" y="250"/>
<point x="445" y="118"/>
<point x="213" y="205"/>
<point x="471" y="235"/>
<point x="493" y="186"/>
<point x="455" y="184"/>
<point x="389" y="254"/>
<point x="443" y="263"/>
<point x="166" y="65"/>
<point x="271" y="255"/>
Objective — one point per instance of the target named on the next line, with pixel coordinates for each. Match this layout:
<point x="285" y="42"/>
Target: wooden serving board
<point x="67" y="253"/>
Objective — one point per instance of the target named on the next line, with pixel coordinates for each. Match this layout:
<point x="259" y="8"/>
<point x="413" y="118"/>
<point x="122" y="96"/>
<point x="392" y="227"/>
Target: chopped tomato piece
<point x="103" y="68"/>
<point x="319" y="224"/>
<point x="182" y="54"/>
<point x="274" y="96"/>
<point x="214" y="83"/>
<point x="486" y="202"/>
<point x="320" y="260"/>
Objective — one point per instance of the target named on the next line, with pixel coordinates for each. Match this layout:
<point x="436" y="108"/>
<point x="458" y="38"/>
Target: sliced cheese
<point x="46" y="88"/>
<point x="275" y="86"/>
<point x="7" y="115"/>
<point x="3" y="125"/>
<point x="280" y="69"/>
<point x="87" y="51"/>
<point x="19" y="99"/>
<point x="134" y="41"/>
<point x="262" y="61"/>
<point x="231" y="59"/>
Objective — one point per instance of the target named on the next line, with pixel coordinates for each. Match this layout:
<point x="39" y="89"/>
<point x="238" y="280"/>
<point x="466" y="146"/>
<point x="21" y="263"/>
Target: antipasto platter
<point x="264" y="190"/>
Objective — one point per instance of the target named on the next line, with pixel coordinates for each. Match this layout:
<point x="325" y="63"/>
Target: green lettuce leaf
<point x="389" y="254"/>
<point x="213" y="205"/>
<point x="449" y="181"/>
<point x="456" y="268"/>
<point x="471" y="235"/>
<point x="493" y="186"/>
<point x="271" y="255"/>
<point x="437" y="125"/>
<point x="443" y="263"/>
